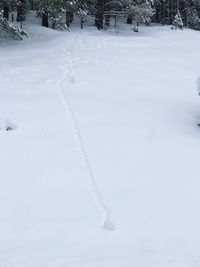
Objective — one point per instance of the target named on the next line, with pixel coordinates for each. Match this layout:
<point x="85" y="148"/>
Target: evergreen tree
<point x="14" y="32"/>
<point x="140" y="11"/>
<point x="99" y="14"/>
<point x="193" y="20"/>
<point x="53" y="11"/>
<point x="22" y="8"/>
<point x="178" y="22"/>
<point x="69" y="12"/>
<point x="82" y="9"/>
<point x="166" y="10"/>
<point x="116" y="9"/>
<point x="5" y="6"/>
<point x="57" y="13"/>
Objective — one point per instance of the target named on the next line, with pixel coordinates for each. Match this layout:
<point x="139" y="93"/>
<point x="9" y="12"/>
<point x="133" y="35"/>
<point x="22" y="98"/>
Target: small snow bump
<point x="108" y="225"/>
<point x="7" y="125"/>
<point x="72" y="79"/>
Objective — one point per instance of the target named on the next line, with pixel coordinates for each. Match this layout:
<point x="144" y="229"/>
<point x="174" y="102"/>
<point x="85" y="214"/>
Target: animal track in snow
<point x="68" y="71"/>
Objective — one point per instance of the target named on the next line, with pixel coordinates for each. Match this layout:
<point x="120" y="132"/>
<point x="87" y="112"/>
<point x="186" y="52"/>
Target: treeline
<point x="59" y="14"/>
<point x="189" y="10"/>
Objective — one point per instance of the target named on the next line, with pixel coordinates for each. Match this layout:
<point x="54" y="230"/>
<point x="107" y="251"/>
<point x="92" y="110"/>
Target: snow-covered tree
<point x="137" y="10"/>
<point x="82" y="9"/>
<point x="99" y="13"/>
<point x="60" y="12"/>
<point x="178" y="22"/>
<point x="116" y="9"/>
<point x="22" y="7"/>
<point x="193" y="20"/>
<point x="166" y="10"/>
<point x="140" y="11"/>
<point x="56" y="14"/>
<point x="69" y="12"/>
<point x="12" y="31"/>
<point x="53" y="11"/>
<point x="5" y="8"/>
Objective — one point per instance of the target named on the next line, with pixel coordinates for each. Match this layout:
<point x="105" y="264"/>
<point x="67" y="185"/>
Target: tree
<point x="116" y="9"/>
<point x="6" y="9"/>
<point x="99" y="14"/>
<point x="189" y="10"/>
<point x="82" y="9"/>
<point x="12" y="31"/>
<point x="69" y="12"/>
<point x="53" y="11"/>
<point x="105" y="9"/>
<point x="137" y="10"/>
<point x="22" y="8"/>
<point x="193" y="20"/>
<point x="140" y="11"/>
<point x="178" y="23"/>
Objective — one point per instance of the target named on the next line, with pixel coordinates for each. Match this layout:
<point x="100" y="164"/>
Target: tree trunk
<point x="45" y="19"/>
<point x="6" y="12"/>
<point x="21" y="11"/>
<point x="115" y="21"/>
<point x="99" y="14"/>
<point x="129" y="20"/>
<point x="53" y="26"/>
<point x="107" y="21"/>
<point x="82" y="21"/>
<point x="69" y="18"/>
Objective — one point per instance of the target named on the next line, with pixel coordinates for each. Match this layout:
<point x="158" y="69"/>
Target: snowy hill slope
<point x="134" y="99"/>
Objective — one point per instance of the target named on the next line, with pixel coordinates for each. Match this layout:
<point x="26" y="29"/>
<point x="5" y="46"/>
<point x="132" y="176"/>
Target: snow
<point x="198" y="84"/>
<point x="132" y="98"/>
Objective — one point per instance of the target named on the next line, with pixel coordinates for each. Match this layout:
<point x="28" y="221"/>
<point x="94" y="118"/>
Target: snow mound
<point x="7" y="125"/>
<point x="108" y="225"/>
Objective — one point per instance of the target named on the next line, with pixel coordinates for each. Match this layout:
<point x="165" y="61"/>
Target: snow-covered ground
<point x="134" y="100"/>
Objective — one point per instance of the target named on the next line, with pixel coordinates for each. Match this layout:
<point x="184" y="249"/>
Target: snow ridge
<point x="105" y="222"/>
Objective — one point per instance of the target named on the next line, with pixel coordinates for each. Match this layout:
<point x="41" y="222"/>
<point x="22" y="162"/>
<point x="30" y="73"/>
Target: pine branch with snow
<point x="14" y="32"/>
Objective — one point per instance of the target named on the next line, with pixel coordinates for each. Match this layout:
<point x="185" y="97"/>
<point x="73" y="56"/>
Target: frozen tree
<point x="60" y="12"/>
<point x="14" y="32"/>
<point x="5" y="7"/>
<point x="69" y="13"/>
<point x="54" y="12"/>
<point x="56" y="15"/>
<point x="82" y="9"/>
<point x="99" y="14"/>
<point x="22" y="8"/>
<point x="178" y="22"/>
<point x="166" y="10"/>
<point x="193" y="20"/>
<point x="116" y="9"/>
<point x="139" y="11"/>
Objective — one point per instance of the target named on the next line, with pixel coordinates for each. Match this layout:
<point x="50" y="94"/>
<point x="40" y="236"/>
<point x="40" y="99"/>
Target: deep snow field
<point x="135" y="103"/>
